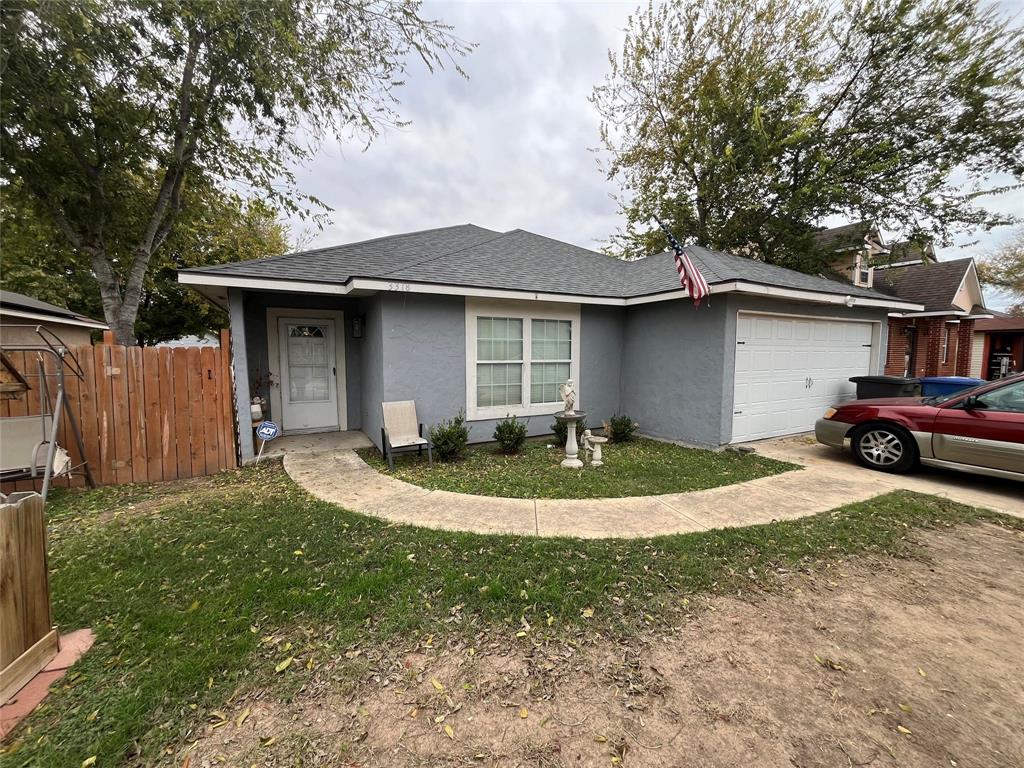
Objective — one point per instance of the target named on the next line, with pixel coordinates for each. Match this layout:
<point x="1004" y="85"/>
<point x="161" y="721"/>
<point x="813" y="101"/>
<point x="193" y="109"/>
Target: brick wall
<point x="895" y="357"/>
<point x="965" y="334"/>
<point x="928" y="347"/>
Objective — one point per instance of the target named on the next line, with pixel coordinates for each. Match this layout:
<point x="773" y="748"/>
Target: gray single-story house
<point x="490" y="323"/>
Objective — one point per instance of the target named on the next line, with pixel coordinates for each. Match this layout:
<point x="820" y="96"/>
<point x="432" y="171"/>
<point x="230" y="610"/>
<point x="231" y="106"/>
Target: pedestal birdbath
<point x="572" y="448"/>
<point x="570" y="416"/>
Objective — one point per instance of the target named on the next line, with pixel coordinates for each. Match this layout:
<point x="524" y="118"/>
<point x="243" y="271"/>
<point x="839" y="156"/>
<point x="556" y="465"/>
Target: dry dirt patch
<point x="872" y="662"/>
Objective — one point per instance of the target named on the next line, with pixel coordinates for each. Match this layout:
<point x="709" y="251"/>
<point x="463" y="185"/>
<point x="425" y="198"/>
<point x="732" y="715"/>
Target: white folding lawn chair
<point x="402" y="430"/>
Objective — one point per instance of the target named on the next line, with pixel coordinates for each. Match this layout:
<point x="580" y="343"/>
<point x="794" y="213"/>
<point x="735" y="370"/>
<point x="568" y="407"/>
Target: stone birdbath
<point x="570" y="416"/>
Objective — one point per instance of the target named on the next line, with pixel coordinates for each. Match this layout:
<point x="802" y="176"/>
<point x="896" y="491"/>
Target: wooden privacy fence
<point x="28" y="640"/>
<point x="146" y="413"/>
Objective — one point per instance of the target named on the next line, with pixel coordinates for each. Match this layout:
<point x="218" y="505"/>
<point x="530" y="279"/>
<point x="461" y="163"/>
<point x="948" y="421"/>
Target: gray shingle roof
<point x="19" y="301"/>
<point x="933" y="284"/>
<point x="844" y="236"/>
<point x="472" y="256"/>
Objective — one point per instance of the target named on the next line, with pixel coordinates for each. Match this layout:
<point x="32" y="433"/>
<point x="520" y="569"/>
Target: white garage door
<point x="790" y="369"/>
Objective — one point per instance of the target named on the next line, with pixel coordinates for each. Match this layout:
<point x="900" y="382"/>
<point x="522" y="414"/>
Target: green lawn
<point x="638" y="468"/>
<point x="199" y="589"/>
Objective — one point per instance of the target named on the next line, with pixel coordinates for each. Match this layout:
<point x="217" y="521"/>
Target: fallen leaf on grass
<point x="449" y="730"/>
<point x="904" y="707"/>
<point x="524" y="712"/>
<point x="437" y="684"/>
<point x="242" y="717"/>
<point x="282" y="666"/>
<point x="587" y="613"/>
<point x="89" y="761"/>
<point x="903" y="730"/>
<point x="266" y="741"/>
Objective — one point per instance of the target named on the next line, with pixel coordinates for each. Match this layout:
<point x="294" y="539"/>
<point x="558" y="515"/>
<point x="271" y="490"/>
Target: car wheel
<point x="884" y="447"/>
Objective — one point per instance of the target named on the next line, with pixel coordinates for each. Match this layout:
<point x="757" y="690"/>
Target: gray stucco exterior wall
<point x="668" y="366"/>
<point x="424" y="359"/>
<point x="673" y="369"/>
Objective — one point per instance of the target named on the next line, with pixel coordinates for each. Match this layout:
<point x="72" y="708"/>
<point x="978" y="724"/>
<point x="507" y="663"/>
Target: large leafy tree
<point x="96" y="95"/>
<point x="742" y="123"/>
<point x="213" y="227"/>
<point x="1004" y="270"/>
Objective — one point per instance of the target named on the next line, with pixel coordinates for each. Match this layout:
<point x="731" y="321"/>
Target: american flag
<point x="690" y="277"/>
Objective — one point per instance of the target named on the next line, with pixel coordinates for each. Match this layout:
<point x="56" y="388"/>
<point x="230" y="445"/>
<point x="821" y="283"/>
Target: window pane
<point x="499" y="384"/>
<point x="551" y="339"/>
<point x="545" y="378"/>
<point x="499" y="338"/>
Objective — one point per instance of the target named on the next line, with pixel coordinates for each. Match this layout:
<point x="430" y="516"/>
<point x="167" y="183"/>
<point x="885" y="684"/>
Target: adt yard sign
<point x="267" y="430"/>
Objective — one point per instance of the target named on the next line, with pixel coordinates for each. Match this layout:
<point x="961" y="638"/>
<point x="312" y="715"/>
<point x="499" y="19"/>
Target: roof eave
<point x="198" y="280"/>
<point x="39" y="317"/>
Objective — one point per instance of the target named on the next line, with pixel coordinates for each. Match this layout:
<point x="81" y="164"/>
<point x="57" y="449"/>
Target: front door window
<point x="308" y="364"/>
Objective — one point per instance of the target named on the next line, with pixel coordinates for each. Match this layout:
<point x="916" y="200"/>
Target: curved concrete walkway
<point x="829" y="480"/>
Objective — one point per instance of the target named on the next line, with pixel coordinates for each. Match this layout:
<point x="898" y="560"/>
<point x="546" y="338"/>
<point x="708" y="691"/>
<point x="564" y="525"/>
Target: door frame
<point x="874" y="361"/>
<point x="274" y="314"/>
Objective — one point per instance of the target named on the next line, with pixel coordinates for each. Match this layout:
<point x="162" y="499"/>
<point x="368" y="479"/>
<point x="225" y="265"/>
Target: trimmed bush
<point x="621" y="429"/>
<point x="510" y="434"/>
<point x="561" y="430"/>
<point x="450" y="437"/>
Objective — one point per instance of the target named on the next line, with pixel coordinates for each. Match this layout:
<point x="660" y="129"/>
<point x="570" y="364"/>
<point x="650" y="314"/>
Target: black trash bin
<point x="886" y="386"/>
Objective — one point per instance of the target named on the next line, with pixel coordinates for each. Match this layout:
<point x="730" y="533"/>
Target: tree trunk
<point x="120" y="313"/>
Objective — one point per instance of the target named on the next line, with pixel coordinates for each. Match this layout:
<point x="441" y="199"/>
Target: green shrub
<point x="621" y="429"/>
<point x="510" y="434"/>
<point x="450" y="437"/>
<point x="561" y="430"/>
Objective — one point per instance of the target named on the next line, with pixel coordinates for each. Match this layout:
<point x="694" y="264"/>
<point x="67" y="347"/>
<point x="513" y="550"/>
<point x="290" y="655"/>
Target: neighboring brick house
<point x="998" y="348"/>
<point x="936" y="341"/>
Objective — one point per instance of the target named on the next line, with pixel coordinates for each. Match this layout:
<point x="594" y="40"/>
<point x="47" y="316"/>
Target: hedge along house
<point x="466" y="318"/>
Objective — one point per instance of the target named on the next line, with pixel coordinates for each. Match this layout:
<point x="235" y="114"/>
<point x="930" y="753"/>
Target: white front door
<point x="790" y="369"/>
<point x="309" y="384"/>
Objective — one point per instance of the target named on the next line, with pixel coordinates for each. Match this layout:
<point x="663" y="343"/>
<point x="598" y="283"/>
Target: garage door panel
<point x="788" y="370"/>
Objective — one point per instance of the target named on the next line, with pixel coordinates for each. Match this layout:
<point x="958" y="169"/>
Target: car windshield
<point x="939" y="399"/>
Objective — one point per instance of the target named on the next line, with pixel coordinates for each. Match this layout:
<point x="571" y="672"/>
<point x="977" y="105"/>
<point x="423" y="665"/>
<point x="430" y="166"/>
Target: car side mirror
<point x="973" y="403"/>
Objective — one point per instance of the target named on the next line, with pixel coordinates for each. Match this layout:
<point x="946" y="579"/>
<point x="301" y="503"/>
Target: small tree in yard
<point x="98" y="97"/>
<point x="742" y="123"/>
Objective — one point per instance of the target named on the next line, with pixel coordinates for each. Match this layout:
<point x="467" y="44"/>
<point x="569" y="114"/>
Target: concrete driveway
<point x="831" y="463"/>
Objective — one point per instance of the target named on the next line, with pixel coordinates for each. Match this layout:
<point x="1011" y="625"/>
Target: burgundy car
<point x="977" y="430"/>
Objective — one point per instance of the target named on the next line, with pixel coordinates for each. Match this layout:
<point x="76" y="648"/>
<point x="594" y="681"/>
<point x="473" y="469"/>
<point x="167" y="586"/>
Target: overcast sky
<point x="511" y="147"/>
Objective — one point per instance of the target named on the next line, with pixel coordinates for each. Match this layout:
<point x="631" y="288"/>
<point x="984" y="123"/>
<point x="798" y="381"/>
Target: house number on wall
<point x="399" y="287"/>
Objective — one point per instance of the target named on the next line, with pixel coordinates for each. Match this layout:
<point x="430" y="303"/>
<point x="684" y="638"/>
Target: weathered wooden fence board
<point x="146" y="414"/>
<point x="27" y="638"/>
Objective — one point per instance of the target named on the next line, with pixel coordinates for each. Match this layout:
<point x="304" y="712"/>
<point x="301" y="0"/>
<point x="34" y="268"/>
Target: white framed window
<point x="517" y="355"/>
<point x="945" y="343"/>
<point x="863" y="274"/>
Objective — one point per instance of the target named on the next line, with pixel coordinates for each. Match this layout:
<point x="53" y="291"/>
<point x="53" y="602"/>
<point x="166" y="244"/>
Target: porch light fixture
<point x="358" y="321"/>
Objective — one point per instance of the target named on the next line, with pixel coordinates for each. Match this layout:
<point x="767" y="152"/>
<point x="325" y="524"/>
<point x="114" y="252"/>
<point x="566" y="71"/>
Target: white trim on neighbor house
<point x="56" y="320"/>
<point x="527" y="311"/>
<point x="274" y="314"/>
<point x="365" y="284"/>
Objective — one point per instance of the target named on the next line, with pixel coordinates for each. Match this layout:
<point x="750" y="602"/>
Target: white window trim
<point x="527" y="312"/>
<point x="945" y="343"/>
